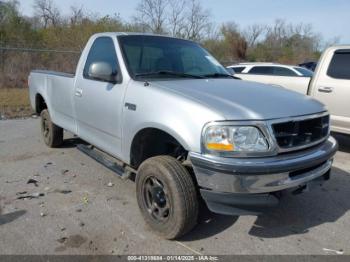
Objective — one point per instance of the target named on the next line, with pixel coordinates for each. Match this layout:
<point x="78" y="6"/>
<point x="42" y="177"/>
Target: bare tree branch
<point x="48" y="13"/>
<point x="77" y="15"/>
<point x="253" y="32"/>
<point x="176" y="16"/>
<point x="197" y="20"/>
<point x="151" y="14"/>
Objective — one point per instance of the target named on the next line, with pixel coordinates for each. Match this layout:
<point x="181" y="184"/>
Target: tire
<point x="52" y="134"/>
<point x="163" y="178"/>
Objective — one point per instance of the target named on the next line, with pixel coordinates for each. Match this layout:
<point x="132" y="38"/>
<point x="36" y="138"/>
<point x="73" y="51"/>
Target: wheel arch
<point x="153" y="141"/>
<point x="40" y="103"/>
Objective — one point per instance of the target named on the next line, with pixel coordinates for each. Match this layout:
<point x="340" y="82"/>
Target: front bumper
<point x="230" y="181"/>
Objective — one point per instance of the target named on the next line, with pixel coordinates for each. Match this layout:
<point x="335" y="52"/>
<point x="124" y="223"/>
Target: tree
<point x="287" y="43"/>
<point x="176" y="17"/>
<point x="7" y="10"/>
<point x="47" y="12"/>
<point x="253" y="32"/>
<point x="77" y="15"/>
<point x="197" y="21"/>
<point x="235" y="43"/>
<point x="151" y="14"/>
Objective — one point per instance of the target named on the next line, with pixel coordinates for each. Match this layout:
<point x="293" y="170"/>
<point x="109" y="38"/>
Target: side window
<point x="238" y="69"/>
<point x="282" y="71"/>
<point x="102" y="50"/>
<point x="261" y="70"/>
<point x="340" y="65"/>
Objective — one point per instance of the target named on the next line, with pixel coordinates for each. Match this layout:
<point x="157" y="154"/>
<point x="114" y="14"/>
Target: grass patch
<point x="14" y="103"/>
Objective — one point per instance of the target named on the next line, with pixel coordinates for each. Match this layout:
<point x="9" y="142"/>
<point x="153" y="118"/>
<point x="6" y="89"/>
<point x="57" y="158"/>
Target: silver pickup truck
<point x="173" y="118"/>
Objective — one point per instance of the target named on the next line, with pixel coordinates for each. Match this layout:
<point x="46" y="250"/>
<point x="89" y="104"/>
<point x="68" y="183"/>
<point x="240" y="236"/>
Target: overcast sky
<point x="331" y="18"/>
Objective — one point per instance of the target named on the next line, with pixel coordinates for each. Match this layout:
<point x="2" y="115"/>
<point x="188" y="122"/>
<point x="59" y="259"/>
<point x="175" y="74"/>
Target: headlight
<point x="235" y="139"/>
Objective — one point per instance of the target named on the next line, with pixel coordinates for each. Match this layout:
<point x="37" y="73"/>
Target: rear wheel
<point x="167" y="196"/>
<point x="52" y="134"/>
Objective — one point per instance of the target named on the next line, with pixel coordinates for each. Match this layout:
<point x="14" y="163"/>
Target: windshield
<point x="165" y="57"/>
<point x="304" y="71"/>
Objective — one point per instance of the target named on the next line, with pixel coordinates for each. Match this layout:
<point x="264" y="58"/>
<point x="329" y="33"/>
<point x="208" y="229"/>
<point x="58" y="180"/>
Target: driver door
<point x="98" y="104"/>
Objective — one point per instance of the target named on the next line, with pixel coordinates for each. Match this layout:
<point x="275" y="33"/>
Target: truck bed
<point x="59" y="88"/>
<point x="55" y="73"/>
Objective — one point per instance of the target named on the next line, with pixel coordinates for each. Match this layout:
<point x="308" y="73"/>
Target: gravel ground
<point x="78" y="206"/>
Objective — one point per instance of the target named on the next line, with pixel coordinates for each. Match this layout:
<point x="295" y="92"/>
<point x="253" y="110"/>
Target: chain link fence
<point x="16" y="63"/>
<point x="15" y="66"/>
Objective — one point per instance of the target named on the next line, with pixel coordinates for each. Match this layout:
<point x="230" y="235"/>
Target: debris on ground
<point x="30" y="196"/>
<point x="85" y="200"/>
<point x="48" y="164"/>
<point x="78" y="210"/>
<point x="13" y="181"/>
<point x="62" y="191"/>
<point x="36" y="195"/>
<point x="21" y="193"/>
<point x="33" y="181"/>
<point x="64" y="171"/>
<point x="337" y="252"/>
<point x="62" y="240"/>
<point x="42" y="214"/>
<point x="74" y="241"/>
<point x="81" y="224"/>
<point x="110" y="184"/>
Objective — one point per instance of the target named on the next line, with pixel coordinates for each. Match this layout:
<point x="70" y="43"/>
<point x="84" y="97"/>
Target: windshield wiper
<point x="170" y="73"/>
<point x="218" y="75"/>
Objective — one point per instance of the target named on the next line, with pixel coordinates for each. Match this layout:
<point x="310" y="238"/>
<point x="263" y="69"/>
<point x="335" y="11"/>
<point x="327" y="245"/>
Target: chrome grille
<point x="301" y="133"/>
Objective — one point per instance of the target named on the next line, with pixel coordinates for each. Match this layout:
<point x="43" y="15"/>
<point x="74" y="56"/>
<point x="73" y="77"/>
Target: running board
<point x="104" y="160"/>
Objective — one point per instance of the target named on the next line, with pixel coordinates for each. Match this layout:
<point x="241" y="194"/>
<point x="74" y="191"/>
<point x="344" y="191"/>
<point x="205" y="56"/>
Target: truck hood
<point x="243" y="100"/>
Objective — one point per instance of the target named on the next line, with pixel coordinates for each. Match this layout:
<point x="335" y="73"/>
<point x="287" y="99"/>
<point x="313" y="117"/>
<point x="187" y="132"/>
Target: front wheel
<point x="167" y="196"/>
<point x="52" y="134"/>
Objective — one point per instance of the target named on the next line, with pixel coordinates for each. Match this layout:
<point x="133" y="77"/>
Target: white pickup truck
<point x="165" y="111"/>
<point x="330" y="83"/>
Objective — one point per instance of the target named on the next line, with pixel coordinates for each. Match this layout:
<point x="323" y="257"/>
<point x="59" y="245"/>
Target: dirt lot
<point x="78" y="206"/>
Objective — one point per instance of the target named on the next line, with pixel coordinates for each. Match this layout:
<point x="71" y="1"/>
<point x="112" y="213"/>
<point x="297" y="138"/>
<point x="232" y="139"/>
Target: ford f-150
<point x="171" y="116"/>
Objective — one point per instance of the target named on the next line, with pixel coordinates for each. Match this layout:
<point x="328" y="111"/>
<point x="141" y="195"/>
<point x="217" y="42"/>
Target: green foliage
<point x="280" y="42"/>
<point x="14" y="28"/>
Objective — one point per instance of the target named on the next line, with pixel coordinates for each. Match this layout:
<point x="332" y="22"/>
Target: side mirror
<point x="230" y="70"/>
<point x="103" y="71"/>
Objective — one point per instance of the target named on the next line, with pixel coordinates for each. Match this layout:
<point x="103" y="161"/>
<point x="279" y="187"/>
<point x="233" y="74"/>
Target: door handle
<point x="325" y="89"/>
<point x="78" y="92"/>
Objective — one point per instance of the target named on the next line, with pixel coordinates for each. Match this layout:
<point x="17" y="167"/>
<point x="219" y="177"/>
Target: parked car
<point x="164" y="110"/>
<point x="309" y="65"/>
<point x="331" y="86"/>
<point x="291" y="77"/>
